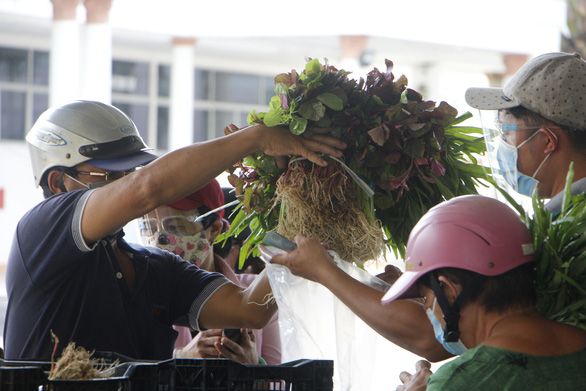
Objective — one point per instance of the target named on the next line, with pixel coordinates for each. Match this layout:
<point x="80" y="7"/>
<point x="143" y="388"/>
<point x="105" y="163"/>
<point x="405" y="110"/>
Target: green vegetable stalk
<point x="560" y="251"/>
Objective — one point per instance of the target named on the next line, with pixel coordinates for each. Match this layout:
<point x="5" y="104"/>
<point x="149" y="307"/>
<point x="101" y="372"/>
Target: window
<point x="40" y="104"/>
<point x="200" y="125"/>
<point x="139" y="88"/>
<point x="223" y="118"/>
<point x="164" y="80"/>
<point x="13" y="65"/>
<point x="202" y="84"/>
<point x="139" y="114"/>
<point x="223" y="97"/>
<point x="12" y="115"/>
<point x="243" y="119"/>
<point x="41" y="68"/>
<point x="163" y="128"/>
<point x="21" y="85"/>
<point x="269" y="90"/>
<point x="237" y="88"/>
<point x="130" y="77"/>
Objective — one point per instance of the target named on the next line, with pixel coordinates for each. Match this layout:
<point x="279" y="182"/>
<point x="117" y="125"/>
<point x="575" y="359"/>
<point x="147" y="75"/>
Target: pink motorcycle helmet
<point x="472" y="232"/>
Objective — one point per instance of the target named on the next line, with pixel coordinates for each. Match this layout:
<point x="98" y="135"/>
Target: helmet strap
<point x="452" y="311"/>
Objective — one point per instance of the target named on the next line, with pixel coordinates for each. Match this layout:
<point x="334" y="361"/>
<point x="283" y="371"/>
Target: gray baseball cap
<point x="552" y="85"/>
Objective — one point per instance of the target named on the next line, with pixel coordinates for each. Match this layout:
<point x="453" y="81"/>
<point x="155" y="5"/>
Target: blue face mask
<point x="507" y="156"/>
<point x="456" y="348"/>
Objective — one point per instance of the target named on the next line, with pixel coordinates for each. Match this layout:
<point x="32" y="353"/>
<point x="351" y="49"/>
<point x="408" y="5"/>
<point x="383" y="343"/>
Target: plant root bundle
<point x="321" y="203"/>
<point x="76" y="363"/>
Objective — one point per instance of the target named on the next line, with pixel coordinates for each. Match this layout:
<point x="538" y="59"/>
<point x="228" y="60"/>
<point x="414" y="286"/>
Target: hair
<point x="576" y="137"/>
<point x="513" y="289"/>
<point x="46" y="190"/>
<point x="44" y="183"/>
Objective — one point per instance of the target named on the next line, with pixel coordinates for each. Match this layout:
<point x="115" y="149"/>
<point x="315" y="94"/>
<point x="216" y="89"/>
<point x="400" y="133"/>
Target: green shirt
<point x="488" y="368"/>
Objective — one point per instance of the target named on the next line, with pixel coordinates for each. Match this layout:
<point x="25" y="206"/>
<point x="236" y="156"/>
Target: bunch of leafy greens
<point x="560" y="249"/>
<point x="412" y="153"/>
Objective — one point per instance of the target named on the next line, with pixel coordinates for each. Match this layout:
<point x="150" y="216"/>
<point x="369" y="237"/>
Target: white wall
<point x="16" y="178"/>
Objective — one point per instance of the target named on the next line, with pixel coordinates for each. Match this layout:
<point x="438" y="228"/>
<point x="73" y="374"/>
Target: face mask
<point x="91" y="185"/>
<point x="456" y="348"/>
<point x="507" y="156"/>
<point x="192" y="248"/>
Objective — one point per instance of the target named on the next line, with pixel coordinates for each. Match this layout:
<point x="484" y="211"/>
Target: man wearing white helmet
<point x="471" y="259"/>
<point x="70" y="270"/>
<point x="536" y="126"/>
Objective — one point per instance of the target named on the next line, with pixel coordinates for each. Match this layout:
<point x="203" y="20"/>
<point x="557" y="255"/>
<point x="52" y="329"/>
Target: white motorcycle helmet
<point x="85" y="131"/>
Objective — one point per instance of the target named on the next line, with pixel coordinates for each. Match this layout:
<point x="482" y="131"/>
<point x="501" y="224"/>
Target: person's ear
<point x="451" y="290"/>
<point x="215" y="229"/>
<point x="552" y="140"/>
<point x="53" y="181"/>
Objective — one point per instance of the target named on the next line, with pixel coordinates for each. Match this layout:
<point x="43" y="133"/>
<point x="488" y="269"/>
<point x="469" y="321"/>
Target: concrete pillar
<point x="353" y="47"/>
<point x="181" y="93"/>
<point x="96" y="52"/>
<point x="64" y="57"/>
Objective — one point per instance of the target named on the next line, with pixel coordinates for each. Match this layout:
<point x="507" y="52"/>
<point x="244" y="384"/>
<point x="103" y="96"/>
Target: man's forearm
<point x="165" y="180"/>
<point x="403" y="322"/>
<point x="185" y="170"/>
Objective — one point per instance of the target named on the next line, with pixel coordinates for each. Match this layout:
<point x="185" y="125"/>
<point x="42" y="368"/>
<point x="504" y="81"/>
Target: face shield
<point x="503" y="140"/>
<point x="176" y="231"/>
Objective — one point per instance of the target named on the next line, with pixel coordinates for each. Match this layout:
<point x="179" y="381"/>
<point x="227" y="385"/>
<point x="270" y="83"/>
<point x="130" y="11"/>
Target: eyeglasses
<point x="178" y="225"/>
<point x="504" y="128"/>
<point x="107" y="175"/>
<point x="508" y="132"/>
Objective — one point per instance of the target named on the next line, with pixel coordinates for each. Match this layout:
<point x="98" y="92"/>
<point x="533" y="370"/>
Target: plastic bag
<point x="314" y="324"/>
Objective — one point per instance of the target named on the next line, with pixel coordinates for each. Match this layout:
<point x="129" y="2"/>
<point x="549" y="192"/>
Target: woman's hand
<point x="213" y="344"/>
<point x="244" y="352"/>
<point x="390" y="275"/>
<point x="417" y="381"/>
<point x="203" y="345"/>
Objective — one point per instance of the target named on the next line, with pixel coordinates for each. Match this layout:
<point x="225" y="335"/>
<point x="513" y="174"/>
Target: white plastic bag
<point x="314" y="324"/>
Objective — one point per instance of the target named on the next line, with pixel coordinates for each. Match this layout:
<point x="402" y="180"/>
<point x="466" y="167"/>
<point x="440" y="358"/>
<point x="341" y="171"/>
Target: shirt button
<point x="119" y="275"/>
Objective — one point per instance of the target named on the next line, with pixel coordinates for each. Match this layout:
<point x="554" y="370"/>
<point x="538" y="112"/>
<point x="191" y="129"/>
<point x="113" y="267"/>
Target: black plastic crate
<point x="177" y="375"/>
<point x="151" y="377"/>
<point x="22" y="378"/>
<point x="128" y="376"/>
<point x="226" y="375"/>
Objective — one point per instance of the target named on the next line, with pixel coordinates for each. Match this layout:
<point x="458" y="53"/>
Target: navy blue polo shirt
<point x="56" y="282"/>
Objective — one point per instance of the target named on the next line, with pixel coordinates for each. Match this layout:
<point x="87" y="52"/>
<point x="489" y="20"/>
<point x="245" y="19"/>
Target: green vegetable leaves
<point x="313" y="110"/>
<point x="410" y="151"/>
<point x="331" y="100"/>
<point x="560" y="251"/>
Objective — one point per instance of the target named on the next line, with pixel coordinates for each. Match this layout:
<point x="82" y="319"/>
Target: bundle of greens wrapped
<point x="404" y="156"/>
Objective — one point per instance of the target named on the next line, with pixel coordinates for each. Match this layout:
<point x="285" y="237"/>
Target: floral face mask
<point x="192" y="248"/>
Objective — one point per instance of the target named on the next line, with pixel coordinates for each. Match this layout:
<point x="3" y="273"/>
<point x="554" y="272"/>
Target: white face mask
<point x="456" y="348"/>
<point x="192" y="248"/>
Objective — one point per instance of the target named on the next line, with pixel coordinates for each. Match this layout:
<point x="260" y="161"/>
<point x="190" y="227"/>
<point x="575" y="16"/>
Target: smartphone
<point x="234" y="334"/>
